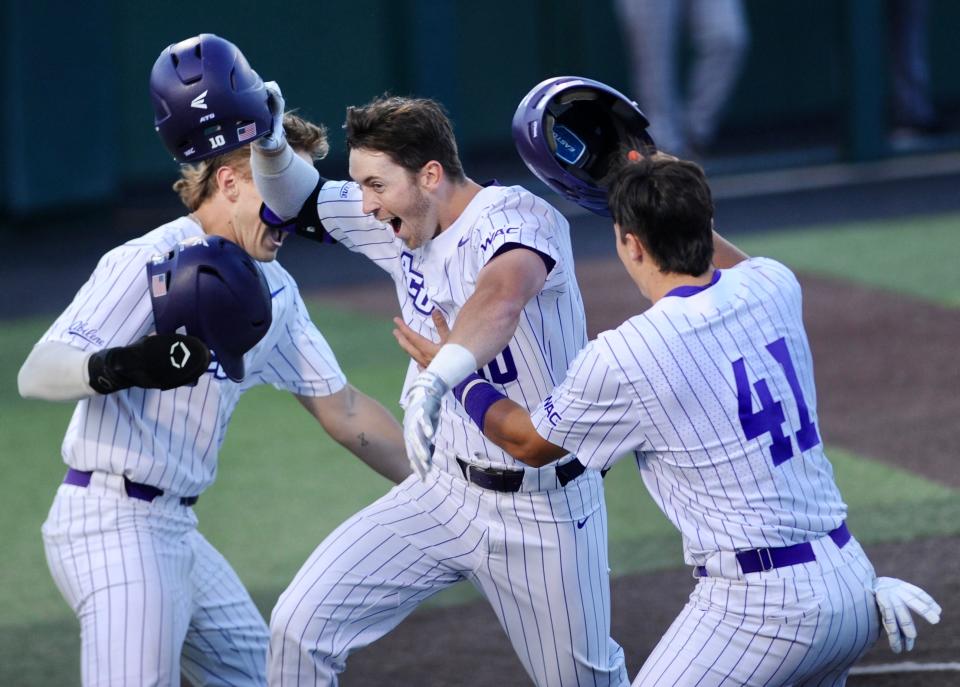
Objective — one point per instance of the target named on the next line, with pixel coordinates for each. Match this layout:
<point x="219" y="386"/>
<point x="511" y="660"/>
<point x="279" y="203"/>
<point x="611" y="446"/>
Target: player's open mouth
<point x="395" y="222"/>
<point x="277" y="235"/>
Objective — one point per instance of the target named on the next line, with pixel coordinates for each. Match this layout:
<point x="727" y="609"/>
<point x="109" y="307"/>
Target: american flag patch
<point x="245" y="133"/>
<point x="158" y="285"/>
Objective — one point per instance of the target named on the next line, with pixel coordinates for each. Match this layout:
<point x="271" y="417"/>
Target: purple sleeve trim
<point x="548" y="262"/>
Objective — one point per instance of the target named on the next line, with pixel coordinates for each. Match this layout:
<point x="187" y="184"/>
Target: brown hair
<point x="198" y="182"/>
<point x="412" y="131"/>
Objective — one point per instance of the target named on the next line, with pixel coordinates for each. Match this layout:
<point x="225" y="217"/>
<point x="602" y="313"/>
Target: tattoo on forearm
<point x="363" y="439"/>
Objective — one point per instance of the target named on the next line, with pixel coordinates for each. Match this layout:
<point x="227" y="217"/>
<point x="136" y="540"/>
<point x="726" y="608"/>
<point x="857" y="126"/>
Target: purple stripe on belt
<point x="135" y="490"/>
<point x="756" y="560"/>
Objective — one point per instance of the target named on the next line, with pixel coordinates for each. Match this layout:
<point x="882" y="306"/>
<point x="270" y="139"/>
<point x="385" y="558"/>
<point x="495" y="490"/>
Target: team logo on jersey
<point x="199" y="102"/>
<point x="415" y="287"/>
<point x="552" y="415"/>
<point x="570" y="148"/>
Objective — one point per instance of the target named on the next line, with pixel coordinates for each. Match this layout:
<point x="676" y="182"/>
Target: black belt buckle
<point x="495" y="479"/>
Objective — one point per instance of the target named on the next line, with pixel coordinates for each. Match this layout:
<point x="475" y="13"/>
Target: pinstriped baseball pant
<point x="799" y="625"/>
<point x="540" y="559"/>
<point x="153" y="597"/>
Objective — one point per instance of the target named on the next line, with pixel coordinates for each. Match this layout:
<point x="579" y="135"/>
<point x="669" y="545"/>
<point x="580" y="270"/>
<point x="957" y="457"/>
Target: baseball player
<point x="153" y="597"/>
<point x="711" y="391"/>
<point x="498" y="260"/>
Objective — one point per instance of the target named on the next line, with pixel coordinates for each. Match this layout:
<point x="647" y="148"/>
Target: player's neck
<point x="456" y="199"/>
<point x="657" y="284"/>
<point x="213" y="221"/>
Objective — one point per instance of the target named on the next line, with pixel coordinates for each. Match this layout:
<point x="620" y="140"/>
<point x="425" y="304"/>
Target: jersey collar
<point x="687" y="291"/>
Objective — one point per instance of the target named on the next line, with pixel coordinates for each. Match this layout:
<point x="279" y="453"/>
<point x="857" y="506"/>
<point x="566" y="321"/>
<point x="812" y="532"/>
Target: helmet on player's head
<point x="213" y="290"/>
<point x="206" y="98"/>
<point x="572" y="132"/>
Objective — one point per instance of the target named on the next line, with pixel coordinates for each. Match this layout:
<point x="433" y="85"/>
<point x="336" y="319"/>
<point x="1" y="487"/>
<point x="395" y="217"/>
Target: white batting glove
<point x="896" y="599"/>
<point x="276" y="103"/>
<point x="420" y="419"/>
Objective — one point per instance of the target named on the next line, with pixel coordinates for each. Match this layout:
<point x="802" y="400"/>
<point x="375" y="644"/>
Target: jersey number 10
<point x="770" y="417"/>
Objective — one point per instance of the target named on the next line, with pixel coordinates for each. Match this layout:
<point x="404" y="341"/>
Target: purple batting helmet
<point x="206" y="98"/>
<point x="211" y="288"/>
<point x="572" y="132"/>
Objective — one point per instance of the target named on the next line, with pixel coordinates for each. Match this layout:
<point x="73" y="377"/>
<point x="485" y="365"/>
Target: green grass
<point x="283" y="485"/>
<point x="916" y="256"/>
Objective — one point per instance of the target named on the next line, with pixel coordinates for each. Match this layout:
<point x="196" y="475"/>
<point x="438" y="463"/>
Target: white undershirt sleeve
<point x="55" y="371"/>
<point x="284" y="179"/>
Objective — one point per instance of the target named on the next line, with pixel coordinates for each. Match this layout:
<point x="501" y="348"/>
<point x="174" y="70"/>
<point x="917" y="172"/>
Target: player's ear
<point x="227" y="181"/>
<point x="635" y="249"/>
<point x="431" y="174"/>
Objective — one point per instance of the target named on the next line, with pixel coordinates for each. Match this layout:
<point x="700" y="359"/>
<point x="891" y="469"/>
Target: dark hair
<point x="668" y="206"/>
<point x="412" y="131"/>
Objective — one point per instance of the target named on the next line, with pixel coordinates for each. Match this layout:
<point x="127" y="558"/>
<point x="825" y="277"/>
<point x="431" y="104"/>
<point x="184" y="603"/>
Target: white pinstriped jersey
<point x="443" y="273"/>
<point x="170" y="439"/>
<point x="713" y="391"/>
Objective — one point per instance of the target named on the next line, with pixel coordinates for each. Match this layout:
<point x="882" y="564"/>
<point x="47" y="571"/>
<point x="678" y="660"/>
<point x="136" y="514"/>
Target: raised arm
<point x="284" y="179"/>
<point x="725" y="254"/>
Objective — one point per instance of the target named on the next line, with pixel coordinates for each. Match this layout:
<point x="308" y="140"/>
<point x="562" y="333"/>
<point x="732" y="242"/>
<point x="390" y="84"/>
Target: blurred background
<point x="815" y="83"/>
<point x="830" y="130"/>
<point x="772" y="97"/>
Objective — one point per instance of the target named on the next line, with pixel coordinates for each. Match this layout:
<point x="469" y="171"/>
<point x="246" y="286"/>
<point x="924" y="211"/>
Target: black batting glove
<point x="163" y="361"/>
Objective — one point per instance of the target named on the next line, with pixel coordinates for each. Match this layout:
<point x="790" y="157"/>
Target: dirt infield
<point x="887" y="381"/>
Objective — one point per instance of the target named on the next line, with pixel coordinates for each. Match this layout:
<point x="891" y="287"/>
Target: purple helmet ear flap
<point x="573" y="133"/>
<point x="206" y="98"/>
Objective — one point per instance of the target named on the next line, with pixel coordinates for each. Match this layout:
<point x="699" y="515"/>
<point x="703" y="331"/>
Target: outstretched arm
<point x="55" y="371"/>
<point x="364" y="427"/>
<point x="508" y="425"/>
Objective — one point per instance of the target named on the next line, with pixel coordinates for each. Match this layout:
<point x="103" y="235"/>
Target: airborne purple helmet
<point x="571" y="132"/>
<point x="215" y="291"/>
<point x="207" y="100"/>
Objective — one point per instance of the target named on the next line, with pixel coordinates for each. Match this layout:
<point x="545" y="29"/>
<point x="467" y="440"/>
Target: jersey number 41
<point x="770" y="417"/>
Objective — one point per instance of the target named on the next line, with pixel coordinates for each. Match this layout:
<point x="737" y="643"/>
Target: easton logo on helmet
<point x="570" y="148"/>
<point x="199" y="101"/>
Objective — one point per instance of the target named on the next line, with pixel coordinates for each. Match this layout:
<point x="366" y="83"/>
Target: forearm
<point x="365" y="428"/>
<point x="508" y="425"/>
<point x="284" y="179"/>
<point x="55" y="371"/>
<point x="504" y="422"/>
<point x="725" y="254"/>
<point x="485" y="325"/>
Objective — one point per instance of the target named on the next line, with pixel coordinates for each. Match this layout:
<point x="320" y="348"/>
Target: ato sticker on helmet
<point x="570" y="148"/>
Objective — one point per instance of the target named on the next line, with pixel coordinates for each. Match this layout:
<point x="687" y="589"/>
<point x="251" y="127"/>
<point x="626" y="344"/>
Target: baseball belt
<point x="499" y="479"/>
<point x="757" y="560"/>
<point x="135" y="490"/>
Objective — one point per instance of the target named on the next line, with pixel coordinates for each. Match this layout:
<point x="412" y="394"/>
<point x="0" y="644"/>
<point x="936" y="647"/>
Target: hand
<point x="896" y="599"/>
<point x="163" y="361"/>
<point x="420" y="420"/>
<point x="275" y="140"/>
<point x="419" y="347"/>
